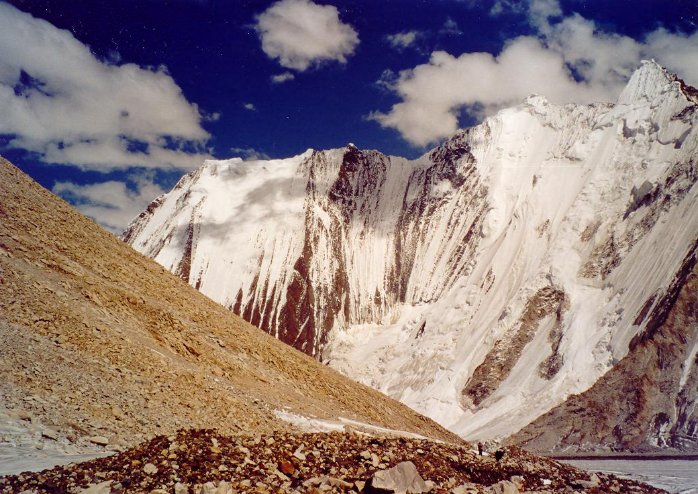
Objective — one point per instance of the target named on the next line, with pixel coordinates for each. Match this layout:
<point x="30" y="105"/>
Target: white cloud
<point x="501" y="6"/>
<point x="387" y="80"/>
<point x="211" y="117"/>
<point x="249" y="154"/>
<point x="302" y="34"/>
<point x="433" y="94"/>
<point x="540" y="12"/>
<point x="283" y="77"/>
<point x="403" y="40"/>
<point x="451" y="28"/>
<point x="60" y="101"/>
<point x="112" y="204"/>
<point x="679" y="53"/>
<point x="249" y="107"/>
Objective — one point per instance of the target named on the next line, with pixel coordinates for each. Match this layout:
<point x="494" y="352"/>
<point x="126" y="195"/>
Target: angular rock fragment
<point x="402" y="478"/>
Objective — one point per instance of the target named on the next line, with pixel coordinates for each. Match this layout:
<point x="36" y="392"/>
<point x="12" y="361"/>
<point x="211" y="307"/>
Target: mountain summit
<point x="484" y="283"/>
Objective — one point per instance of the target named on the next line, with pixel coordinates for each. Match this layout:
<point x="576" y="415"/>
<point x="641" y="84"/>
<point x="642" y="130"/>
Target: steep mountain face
<point x="482" y="283"/>
<point x="98" y="340"/>
<point x="649" y="400"/>
<point x="323" y="240"/>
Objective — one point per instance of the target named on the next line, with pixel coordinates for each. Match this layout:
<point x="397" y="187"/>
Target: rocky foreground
<point x="204" y="461"/>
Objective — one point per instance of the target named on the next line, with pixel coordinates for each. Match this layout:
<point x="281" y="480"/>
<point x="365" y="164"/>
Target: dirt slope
<point x="100" y="340"/>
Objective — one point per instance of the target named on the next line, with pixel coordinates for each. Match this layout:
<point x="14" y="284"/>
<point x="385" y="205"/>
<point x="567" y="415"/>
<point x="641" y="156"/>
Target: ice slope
<point x="482" y="283"/>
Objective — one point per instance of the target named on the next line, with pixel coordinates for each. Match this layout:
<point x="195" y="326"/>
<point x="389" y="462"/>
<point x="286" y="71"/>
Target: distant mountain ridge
<point x="483" y="283"/>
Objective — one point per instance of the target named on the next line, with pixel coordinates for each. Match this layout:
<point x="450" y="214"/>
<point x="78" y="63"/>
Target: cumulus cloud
<point x="283" y="77"/>
<point x="249" y="107"/>
<point x="569" y="59"/>
<point x="403" y="40"/>
<point x="112" y="204"/>
<point x="301" y="34"/>
<point x="58" y="100"/>
<point x="540" y="12"/>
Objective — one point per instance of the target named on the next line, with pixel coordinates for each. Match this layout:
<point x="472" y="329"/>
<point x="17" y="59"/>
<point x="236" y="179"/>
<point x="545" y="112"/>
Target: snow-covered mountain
<point x="481" y="284"/>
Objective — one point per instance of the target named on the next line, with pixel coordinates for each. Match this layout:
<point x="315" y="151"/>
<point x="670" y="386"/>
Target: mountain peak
<point x="647" y="82"/>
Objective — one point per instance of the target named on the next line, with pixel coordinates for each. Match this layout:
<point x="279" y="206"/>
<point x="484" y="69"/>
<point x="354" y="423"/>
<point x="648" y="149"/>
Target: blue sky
<point x="108" y="103"/>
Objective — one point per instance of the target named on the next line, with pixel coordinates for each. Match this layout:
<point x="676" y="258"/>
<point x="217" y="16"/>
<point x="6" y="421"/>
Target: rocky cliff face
<point x="482" y="283"/>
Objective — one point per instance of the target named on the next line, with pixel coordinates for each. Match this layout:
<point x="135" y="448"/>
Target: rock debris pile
<point x="205" y="462"/>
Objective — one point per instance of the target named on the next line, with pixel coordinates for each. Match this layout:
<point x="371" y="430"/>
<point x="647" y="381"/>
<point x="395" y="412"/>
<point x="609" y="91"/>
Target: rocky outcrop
<point x="499" y="362"/>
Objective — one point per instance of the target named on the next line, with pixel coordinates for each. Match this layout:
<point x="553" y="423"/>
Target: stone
<point x="100" y="440"/>
<point x="314" y="481"/>
<point x="280" y="475"/>
<point x="339" y="483"/>
<point x="360" y="484"/>
<point x="467" y="488"/>
<point x="594" y="481"/>
<point x="287" y="467"/>
<point x="209" y="488"/>
<point x="180" y="488"/>
<point x="518" y="480"/>
<point x="298" y="453"/>
<point x="224" y="488"/>
<point x="117" y="413"/>
<point x="50" y="434"/>
<point x="150" y="469"/>
<point x="101" y="488"/>
<point x="403" y="477"/>
<point x="502" y="487"/>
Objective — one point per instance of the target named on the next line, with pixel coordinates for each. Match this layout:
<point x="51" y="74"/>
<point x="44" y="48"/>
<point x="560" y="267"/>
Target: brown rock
<point x="287" y="467"/>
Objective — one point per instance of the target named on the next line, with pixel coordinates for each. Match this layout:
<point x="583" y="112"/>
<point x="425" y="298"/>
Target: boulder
<point x="402" y="478"/>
